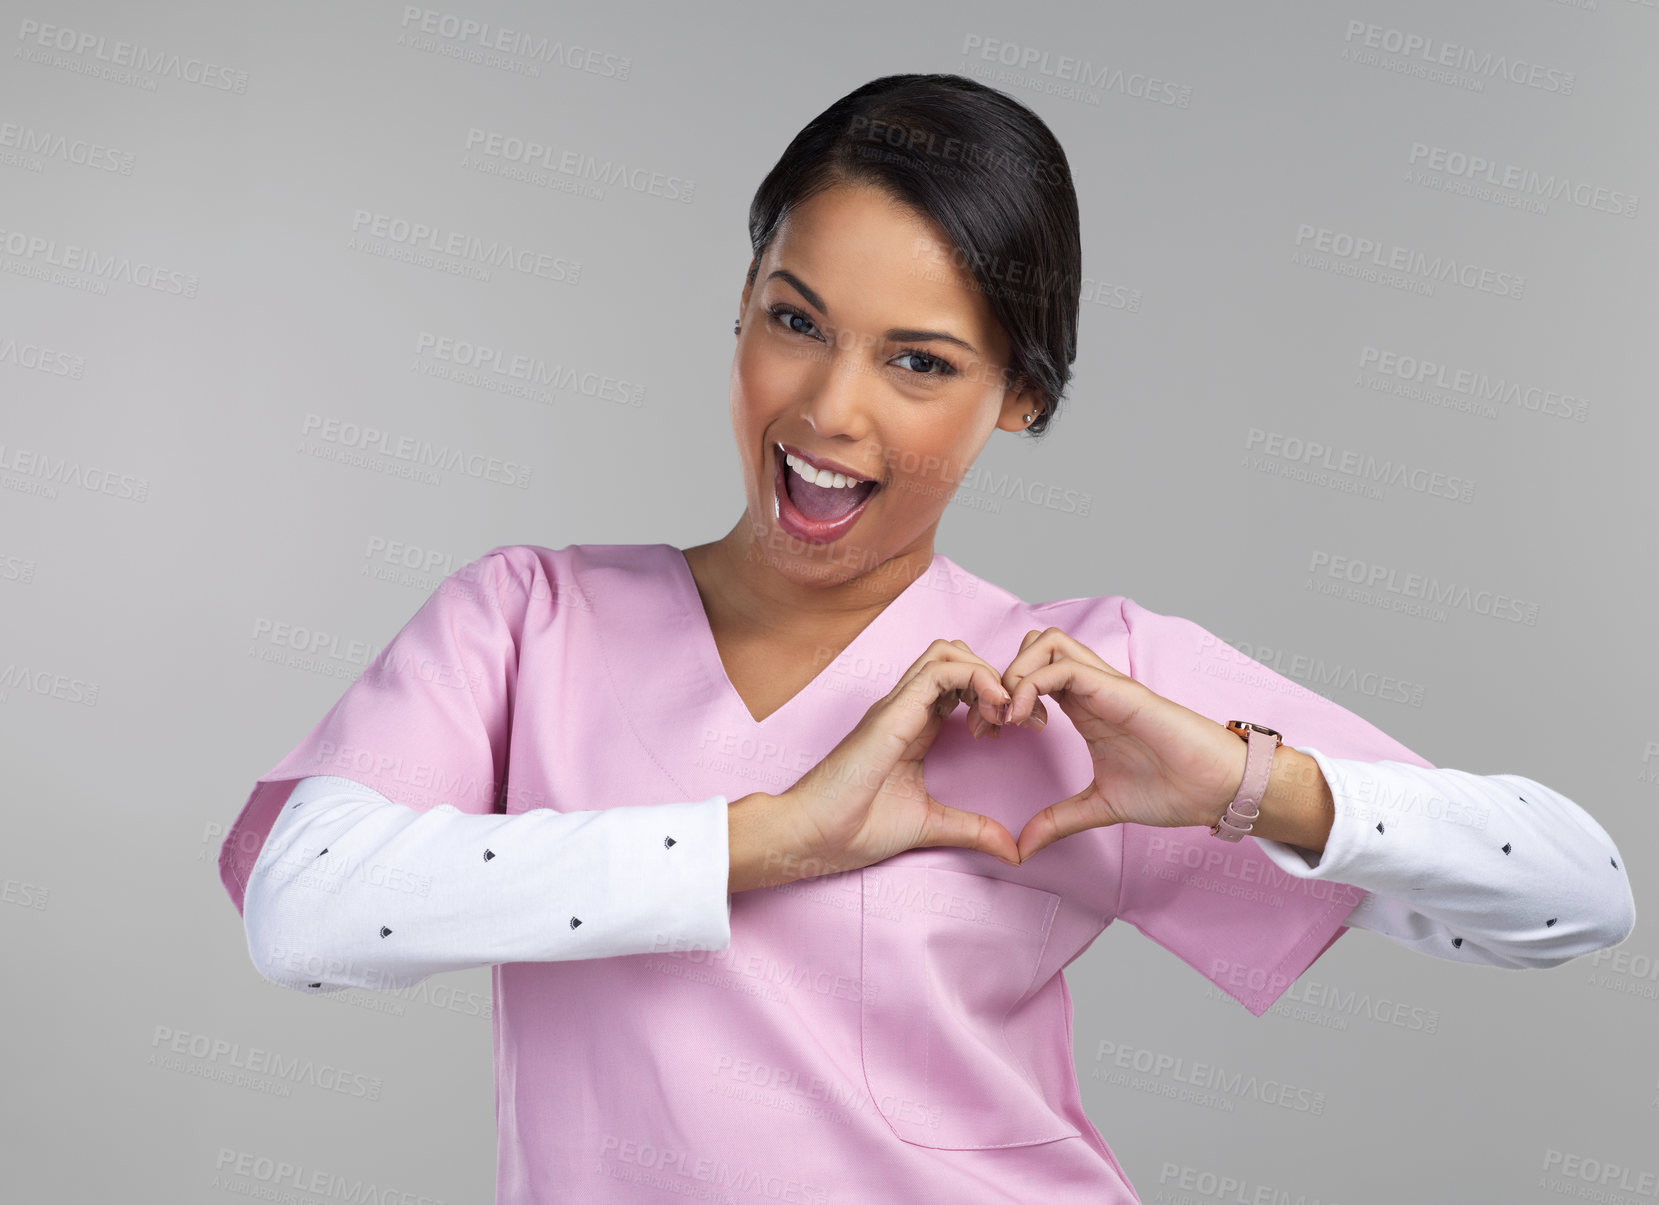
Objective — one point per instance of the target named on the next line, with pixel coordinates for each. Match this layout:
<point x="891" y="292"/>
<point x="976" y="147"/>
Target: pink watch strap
<point x="1261" y="743"/>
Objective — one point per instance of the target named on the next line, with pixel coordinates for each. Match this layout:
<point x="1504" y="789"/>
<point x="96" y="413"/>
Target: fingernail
<point x="1037" y="721"/>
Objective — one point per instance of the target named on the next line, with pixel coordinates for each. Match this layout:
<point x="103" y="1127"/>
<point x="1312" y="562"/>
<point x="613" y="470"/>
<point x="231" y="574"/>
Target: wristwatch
<point x="1241" y="814"/>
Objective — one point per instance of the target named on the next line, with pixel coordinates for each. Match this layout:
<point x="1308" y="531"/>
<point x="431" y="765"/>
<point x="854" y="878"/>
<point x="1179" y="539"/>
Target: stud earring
<point x="1029" y="417"/>
<point x="735" y="326"/>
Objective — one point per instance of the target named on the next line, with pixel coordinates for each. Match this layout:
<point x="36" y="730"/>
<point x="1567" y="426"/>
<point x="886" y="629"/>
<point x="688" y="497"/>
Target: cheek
<point x="772" y="372"/>
<point x="761" y="390"/>
<point x="765" y="384"/>
<point x="935" y="453"/>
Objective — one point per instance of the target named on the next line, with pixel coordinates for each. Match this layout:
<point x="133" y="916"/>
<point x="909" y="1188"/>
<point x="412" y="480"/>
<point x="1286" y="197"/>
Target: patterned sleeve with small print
<point x="354" y="890"/>
<point x="1494" y="869"/>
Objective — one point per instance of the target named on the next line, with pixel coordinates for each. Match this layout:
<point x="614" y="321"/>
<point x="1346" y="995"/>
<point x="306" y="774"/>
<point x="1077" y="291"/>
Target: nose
<point x="841" y="393"/>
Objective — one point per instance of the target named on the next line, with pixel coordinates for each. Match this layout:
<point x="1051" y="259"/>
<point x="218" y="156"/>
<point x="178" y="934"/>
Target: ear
<point x="1021" y="398"/>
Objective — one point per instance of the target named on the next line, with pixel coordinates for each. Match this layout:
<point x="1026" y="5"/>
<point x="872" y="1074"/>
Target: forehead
<point x="878" y="263"/>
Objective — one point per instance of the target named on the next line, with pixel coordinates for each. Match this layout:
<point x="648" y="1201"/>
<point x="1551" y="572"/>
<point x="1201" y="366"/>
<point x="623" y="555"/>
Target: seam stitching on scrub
<point x="627" y="712"/>
<point x="472" y="696"/>
<point x="1002" y="1022"/>
<point x="864" y="1005"/>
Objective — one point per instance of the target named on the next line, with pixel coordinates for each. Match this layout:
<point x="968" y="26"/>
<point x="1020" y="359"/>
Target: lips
<point x="802" y="526"/>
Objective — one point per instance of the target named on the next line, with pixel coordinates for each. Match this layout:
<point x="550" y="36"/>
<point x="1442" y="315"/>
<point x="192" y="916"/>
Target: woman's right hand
<point x="866" y="800"/>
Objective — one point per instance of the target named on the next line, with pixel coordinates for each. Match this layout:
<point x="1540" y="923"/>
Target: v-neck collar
<point x="707" y="651"/>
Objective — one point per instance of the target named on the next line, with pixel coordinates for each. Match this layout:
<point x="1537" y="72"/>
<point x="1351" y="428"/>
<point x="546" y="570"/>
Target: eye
<point x="931" y="366"/>
<point x="788" y="315"/>
<point x="925" y="363"/>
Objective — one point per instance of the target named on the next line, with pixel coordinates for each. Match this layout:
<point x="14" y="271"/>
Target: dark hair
<point x="987" y="171"/>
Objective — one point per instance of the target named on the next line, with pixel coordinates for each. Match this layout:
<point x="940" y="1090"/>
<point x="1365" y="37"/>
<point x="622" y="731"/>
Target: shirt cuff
<point x="1351" y="782"/>
<point x="690" y="888"/>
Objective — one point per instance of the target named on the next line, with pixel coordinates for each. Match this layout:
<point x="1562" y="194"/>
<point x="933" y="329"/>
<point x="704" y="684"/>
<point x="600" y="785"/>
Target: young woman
<point x="768" y="918"/>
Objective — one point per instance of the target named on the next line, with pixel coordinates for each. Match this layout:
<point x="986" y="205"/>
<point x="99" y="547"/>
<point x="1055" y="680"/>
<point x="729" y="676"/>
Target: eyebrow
<point x="895" y="334"/>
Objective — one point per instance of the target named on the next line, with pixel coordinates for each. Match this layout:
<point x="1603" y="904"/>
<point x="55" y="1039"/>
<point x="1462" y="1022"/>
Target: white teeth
<point x="821" y="477"/>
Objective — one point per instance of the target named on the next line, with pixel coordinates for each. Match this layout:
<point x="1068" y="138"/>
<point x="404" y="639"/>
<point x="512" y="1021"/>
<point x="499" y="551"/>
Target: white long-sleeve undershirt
<point x="1484" y="868"/>
<point x="352" y="889"/>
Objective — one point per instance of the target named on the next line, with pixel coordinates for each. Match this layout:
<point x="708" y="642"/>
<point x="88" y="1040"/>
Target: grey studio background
<point x="1266" y="190"/>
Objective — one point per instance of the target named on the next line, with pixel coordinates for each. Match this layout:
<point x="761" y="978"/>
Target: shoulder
<point x="1155" y="647"/>
<point x="1134" y="637"/>
<point x="1103" y="622"/>
<point x="565" y="577"/>
<point x="1157" y="638"/>
<point x="1106" y="623"/>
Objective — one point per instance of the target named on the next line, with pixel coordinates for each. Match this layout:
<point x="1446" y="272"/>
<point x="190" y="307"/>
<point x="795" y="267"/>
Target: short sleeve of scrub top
<point x="426" y="722"/>
<point x="1226" y="909"/>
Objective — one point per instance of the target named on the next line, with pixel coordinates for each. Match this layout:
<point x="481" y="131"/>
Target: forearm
<point x="761" y="849"/>
<point x="1298" y="807"/>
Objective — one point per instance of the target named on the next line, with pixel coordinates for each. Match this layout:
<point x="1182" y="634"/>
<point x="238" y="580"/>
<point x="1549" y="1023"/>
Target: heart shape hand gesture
<point x="1155" y="762"/>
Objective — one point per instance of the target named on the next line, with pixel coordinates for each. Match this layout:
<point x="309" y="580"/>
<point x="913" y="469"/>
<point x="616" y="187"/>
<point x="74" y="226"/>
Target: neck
<point x="749" y="582"/>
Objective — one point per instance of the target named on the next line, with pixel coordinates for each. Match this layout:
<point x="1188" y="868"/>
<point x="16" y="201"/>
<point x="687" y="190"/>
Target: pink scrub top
<point x="896" y="1033"/>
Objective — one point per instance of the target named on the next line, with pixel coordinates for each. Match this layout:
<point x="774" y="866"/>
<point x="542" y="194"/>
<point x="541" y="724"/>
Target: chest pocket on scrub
<point x="952" y="1021"/>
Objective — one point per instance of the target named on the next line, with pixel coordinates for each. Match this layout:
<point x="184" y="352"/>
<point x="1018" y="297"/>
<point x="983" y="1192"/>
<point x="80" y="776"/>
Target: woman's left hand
<point x="1155" y="762"/>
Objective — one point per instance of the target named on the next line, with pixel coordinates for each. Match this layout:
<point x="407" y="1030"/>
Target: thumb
<point x="1070" y="815"/>
<point x="968" y="830"/>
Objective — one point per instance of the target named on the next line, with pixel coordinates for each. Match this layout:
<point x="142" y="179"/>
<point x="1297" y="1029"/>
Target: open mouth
<point x="817" y="510"/>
